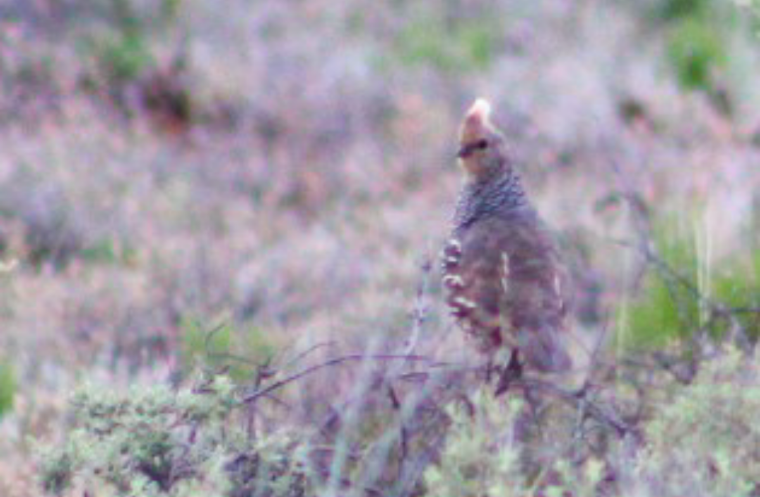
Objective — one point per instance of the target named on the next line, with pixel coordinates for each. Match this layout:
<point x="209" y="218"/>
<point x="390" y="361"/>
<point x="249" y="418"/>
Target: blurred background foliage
<point x="286" y="167"/>
<point x="7" y="387"/>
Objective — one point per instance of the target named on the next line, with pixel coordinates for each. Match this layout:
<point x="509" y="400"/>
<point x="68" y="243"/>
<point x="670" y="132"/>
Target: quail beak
<point x="463" y="152"/>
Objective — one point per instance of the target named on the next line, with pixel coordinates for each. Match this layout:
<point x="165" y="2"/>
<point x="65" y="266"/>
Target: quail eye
<point x="468" y="149"/>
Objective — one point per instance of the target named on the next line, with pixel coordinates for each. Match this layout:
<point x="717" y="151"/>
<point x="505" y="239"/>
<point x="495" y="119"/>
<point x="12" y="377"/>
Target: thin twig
<point x="419" y="313"/>
<point x="571" y="397"/>
<point x="306" y="353"/>
<point x="332" y="362"/>
<point x="404" y="432"/>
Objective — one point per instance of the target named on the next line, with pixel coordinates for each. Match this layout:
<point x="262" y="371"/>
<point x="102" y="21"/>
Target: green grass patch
<point x="666" y="311"/>
<point x="669" y="309"/>
<point x="696" y="50"/>
<point x="8" y="388"/>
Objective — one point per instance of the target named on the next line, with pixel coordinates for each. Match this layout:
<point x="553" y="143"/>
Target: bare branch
<point x="332" y="362"/>
<point x="577" y="399"/>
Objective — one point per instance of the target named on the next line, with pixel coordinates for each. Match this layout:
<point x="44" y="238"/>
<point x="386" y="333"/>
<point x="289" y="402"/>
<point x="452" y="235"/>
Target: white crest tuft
<point x="480" y="108"/>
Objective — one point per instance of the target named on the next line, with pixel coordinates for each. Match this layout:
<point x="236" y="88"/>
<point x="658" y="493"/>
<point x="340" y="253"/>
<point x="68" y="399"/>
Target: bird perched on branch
<point x="506" y="285"/>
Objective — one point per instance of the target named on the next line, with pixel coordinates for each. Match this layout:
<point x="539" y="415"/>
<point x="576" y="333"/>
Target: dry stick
<point x="419" y="315"/>
<point x="332" y="362"/>
<point x="595" y="356"/>
<point x="307" y="353"/>
<point x="430" y="440"/>
<point x="570" y="397"/>
<point x="583" y="391"/>
<point x="396" y="403"/>
<point x="666" y="363"/>
<point x="264" y="372"/>
<point x="573" y="397"/>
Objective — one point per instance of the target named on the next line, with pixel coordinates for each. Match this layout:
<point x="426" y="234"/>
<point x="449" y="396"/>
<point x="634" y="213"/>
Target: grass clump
<point x="159" y="442"/>
<point x="667" y="311"/>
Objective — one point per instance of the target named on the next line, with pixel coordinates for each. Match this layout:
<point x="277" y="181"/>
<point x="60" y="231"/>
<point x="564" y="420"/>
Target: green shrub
<point x="158" y="442"/>
<point x="696" y="50"/>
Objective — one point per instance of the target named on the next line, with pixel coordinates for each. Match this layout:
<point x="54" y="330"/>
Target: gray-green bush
<point x="706" y="441"/>
<point x="159" y="442"/>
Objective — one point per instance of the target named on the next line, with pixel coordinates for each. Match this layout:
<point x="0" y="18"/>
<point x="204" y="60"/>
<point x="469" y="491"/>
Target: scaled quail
<point x="506" y="285"/>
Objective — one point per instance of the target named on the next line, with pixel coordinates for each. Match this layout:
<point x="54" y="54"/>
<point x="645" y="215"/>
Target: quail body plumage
<point x="506" y="286"/>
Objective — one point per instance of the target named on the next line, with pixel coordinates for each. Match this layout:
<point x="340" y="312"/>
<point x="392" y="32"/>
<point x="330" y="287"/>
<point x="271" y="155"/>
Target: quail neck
<point x="485" y="197"/>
